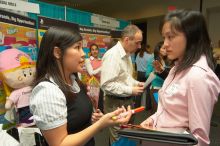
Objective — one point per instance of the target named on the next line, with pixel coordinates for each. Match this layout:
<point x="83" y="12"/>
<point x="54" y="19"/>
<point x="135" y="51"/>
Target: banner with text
<point x="20" y="6"/>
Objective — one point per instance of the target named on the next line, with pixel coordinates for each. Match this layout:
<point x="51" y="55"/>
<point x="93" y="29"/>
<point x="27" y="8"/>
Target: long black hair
<point x="157" y="55"/>
<point x="193" y="25"/>
<point x="63" y="38"/>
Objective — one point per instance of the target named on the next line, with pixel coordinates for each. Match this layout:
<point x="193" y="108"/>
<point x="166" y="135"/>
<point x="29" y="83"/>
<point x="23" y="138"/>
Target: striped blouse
<point x="48" y="104"/>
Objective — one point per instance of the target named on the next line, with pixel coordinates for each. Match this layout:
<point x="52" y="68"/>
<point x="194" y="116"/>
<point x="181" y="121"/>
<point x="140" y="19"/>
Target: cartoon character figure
<point x="17" y="72"/>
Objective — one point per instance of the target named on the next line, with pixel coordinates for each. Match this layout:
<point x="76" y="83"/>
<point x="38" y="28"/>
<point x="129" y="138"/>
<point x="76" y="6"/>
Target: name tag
<point x="174" y="88"/>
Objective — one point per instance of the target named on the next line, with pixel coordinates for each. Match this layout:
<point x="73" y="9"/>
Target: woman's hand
<point x="158" y="66"/>
<point x="96" y="115"/>
<point x="147" y="123"/>
<point x="108" y="120"/>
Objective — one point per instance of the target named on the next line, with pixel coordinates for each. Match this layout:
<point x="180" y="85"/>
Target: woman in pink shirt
<point x="93" y="63"/>
<point x="190" y="91"/>
<point x="93" y="67"/>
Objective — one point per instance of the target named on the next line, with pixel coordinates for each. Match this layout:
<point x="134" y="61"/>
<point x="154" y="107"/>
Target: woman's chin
<point x="170" y="57"/>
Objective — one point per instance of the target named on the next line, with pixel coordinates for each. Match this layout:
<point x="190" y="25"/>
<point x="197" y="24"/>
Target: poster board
<point x="99" y="36"/>
<point x="18" y="32"/>
<point x="92" y="35"/>
<point x="45" y="23"/>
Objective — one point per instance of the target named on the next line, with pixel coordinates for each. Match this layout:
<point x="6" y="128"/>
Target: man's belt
<point x="119" y="97"/>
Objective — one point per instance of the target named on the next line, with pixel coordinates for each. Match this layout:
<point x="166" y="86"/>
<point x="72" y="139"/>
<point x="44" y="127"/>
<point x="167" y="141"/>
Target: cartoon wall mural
<point x="18" y="32"/>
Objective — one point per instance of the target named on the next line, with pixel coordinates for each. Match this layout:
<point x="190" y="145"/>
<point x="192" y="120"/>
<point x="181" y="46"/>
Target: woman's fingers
<point x="147" y="123"/>
<point x="129" y="107"/>
<point x="96" y="115"/>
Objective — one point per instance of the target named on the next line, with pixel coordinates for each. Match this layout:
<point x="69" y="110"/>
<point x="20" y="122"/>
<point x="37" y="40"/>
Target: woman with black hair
<point x="191" y="89"/>
<point x="59" y="103"/>
<point x="161" y="64"/>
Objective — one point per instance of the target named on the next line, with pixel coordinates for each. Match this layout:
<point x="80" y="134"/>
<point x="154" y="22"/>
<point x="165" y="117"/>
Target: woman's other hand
<point x="108" y="120"/>
<point x="158" y="66"/>
<point x="147" y="123"/>
<point x="96" y="115"/>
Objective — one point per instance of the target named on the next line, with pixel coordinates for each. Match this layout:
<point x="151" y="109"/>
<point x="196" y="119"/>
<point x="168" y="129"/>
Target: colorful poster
<point x="18" y="32"/>
<point x="40" y="35"/>
<point x="44" y="23"/>
<point x="92" y="35"/>
<point x="100" y="40"/>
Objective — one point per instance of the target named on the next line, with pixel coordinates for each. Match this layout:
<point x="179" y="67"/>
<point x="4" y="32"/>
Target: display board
<point x="18" y="32"/>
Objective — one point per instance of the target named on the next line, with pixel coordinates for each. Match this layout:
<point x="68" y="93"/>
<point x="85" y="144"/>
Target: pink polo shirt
<point x="186" y="100"/>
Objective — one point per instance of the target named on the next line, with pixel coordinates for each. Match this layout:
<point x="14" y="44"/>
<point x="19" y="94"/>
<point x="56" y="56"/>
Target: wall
<point x="211" y="10"/>
<point x="152" y="8"/>
<point x="210" y="4"/>
<point x="153" y="35"/>
<point x="154" y="12"/>
<point x="213" y="17"/>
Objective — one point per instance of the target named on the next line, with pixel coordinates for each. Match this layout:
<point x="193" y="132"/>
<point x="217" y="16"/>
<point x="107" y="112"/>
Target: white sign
<point x="99" y="20"/>
<point x="20" y="6"/>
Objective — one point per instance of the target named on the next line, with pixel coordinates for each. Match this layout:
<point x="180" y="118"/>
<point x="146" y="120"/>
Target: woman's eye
<point x="170" y="37"/>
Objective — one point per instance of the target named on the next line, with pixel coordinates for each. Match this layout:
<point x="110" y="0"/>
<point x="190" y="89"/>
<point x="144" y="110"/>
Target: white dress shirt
<point x="116" y="72"/>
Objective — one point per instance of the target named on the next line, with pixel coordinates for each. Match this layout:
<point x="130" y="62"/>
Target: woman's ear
<point x="57" y="52"/>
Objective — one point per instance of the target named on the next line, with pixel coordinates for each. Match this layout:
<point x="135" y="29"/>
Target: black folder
<point x="162" y="135"/>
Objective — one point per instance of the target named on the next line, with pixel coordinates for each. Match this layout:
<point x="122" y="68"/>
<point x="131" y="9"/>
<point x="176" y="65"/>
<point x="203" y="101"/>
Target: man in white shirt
<point x="116" y="73"/>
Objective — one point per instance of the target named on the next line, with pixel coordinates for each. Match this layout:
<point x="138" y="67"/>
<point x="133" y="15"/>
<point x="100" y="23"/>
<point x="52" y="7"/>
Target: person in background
<point x="191" y="89"/>
<point x="59" y="103"/>
<point x="93" y="66"/>
<point x="116" y="74"/>
<point x="160" y="57"/>
<point x="162" y="65"/>
<point x="141" y="63"/>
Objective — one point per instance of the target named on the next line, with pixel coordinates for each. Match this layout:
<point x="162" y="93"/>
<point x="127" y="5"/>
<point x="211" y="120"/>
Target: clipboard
<point x="161" y="135"/>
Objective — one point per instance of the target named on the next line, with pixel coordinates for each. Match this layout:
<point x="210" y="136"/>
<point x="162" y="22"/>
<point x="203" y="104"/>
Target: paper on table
<point x="7" y="140"/>
<point x="26" y="136"/>
<point x="151" y="77"/>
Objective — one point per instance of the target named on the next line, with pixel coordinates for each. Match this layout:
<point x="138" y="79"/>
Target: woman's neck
<point x="65" y="74"/>
<point x="68" y="78"/>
